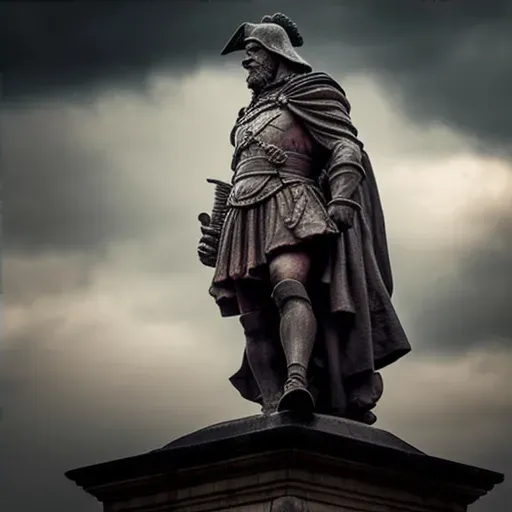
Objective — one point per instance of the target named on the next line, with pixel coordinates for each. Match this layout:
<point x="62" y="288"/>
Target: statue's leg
<point x="289" y="272"/>
<point x="261" y="342"/>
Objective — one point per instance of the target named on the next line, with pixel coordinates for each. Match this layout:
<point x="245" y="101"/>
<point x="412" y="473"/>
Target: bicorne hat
<point x="277" y="33"/>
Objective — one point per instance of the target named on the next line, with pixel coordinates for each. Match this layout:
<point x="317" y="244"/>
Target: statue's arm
<point x="345" y="171"/>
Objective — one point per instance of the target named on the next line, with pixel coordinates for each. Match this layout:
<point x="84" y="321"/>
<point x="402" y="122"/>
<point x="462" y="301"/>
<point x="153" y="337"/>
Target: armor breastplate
<point x="263" y="137"/>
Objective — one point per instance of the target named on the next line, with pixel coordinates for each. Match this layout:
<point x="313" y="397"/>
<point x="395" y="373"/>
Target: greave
<point x="297" y="330"/>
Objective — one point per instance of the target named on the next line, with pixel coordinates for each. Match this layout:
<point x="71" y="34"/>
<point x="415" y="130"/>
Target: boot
<point x="296" y="396"/>
<point x="297" y="331"/>
<point x="263" y="355"/>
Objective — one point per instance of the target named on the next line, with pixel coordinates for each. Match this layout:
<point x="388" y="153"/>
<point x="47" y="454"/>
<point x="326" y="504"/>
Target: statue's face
<point x="261" y="66"/>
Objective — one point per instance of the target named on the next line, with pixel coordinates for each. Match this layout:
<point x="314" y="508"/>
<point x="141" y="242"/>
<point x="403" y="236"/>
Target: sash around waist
<point x="296" y="164"/>
<point x="256" y="179"/>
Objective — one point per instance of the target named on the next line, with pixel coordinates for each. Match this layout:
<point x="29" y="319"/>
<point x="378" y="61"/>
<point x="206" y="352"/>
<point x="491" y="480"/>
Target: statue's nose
<point x="246" y="63"/>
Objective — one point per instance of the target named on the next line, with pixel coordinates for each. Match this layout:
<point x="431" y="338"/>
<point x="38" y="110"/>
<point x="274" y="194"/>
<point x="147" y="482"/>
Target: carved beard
<point x="261" y="75"/>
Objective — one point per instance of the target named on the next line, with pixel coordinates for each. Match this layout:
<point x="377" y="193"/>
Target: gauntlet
<point x="344" y="176"/>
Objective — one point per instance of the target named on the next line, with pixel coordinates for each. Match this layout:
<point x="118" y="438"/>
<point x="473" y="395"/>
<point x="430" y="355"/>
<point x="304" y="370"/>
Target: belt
<point x="296" y="166"/>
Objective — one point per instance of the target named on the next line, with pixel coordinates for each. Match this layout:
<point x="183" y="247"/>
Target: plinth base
<point x="279" y="463"/>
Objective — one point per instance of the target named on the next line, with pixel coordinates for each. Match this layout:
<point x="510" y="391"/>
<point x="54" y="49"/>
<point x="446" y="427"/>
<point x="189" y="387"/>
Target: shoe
<point x="297" y="399"/>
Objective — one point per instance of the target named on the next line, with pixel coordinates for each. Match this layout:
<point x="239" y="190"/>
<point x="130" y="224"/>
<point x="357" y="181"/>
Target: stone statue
<point x="298" y="239"/>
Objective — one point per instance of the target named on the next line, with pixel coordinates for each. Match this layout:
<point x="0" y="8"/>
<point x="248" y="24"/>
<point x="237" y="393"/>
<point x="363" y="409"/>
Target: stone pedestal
<point x="283" y="464"/>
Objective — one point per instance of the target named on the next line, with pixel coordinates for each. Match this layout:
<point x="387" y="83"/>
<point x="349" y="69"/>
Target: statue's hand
<point x="207" y="255"/>
<point x="209" y="242"/>
<point x="210" y="236"/>
<point x="342" y="215"/>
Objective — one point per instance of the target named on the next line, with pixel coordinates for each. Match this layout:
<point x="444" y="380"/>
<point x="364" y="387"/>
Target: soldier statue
<point x="298" y="242"/>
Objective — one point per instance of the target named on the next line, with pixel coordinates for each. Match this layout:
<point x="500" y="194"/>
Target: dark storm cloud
<point x="448" y="59"/>
<point x="58" y="194"/>
<point x="63" y="190"/>
<point x="473" y="306"/>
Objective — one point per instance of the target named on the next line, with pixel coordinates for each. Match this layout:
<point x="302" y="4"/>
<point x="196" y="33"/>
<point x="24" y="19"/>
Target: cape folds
<point x="322" y="106"/>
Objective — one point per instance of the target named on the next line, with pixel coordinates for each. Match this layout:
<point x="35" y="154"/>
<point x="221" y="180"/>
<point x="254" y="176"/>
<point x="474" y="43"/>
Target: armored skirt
<point x="293" y="217"/>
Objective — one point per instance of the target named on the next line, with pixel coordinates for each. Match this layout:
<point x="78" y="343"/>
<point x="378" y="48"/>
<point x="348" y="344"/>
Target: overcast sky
<point x="114" y="115"/>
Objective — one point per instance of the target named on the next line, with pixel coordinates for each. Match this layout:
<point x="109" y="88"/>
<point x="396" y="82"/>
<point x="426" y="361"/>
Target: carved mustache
<point x="249" y="64"/>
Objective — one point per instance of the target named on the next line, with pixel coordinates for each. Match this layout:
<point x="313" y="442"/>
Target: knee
<point x="290" y="289"/>
<point x="289" y="265"/>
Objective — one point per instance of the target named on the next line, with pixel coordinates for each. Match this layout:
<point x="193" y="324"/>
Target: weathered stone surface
<point x="281" y="463"/>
